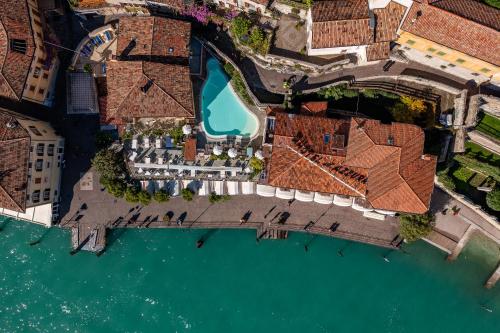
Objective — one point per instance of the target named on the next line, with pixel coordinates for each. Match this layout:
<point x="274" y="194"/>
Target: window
<point x="48" y="165"/>
<point x="474" y="74"/>
<point x="30" y="165"/>
<point x="431" y="49"/>
<point x="18" y="45"/>
<point x="38" y="23"/>
<point x="410" y="42"/>
<point x="485" y="70"/>
<point x="35" y="12"/>
<point x="41" y="91"/>
<point x="50" y="150"/>
<point x="45" y="76"/>
<point x="428" y="56"/>
<point x="39" y="165"/>
<point x="441" y="53"/>
<point x="35" y="131"/>
<point x="326" y="138"/>
<point x="60" y="150"/>
<point x="39" y="35"/>
<point x="451" y="65"/>
<point x="38" y="180"/>
<point x="32" y="88"/>
<point x="46" y="194"/>
<point x="460" y="60"/>
<point x="40" y="148"/>
<point x="36" y="196"/>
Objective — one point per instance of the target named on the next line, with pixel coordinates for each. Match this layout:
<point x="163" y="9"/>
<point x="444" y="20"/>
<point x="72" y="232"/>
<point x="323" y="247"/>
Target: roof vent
<point x="390" y="140"/>
<point x="146" y="87"/>
<point x="170" y="50"/>
<point x="419" y="13"/>
<point x="12" y="123"/>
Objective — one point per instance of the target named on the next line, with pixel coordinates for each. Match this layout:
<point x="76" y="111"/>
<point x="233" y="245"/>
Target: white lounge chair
<point x="218" y="187"/>
<point x="204" y="188"/>
<point x="233" y="187"/>
<point x="247" y="188"/>
<point x="373" y="215"/>
<point x="342" y="201"/>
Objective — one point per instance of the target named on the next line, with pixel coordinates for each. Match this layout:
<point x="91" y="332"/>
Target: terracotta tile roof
<point x="387" y="21"/>
<point x="473" y="10"/>
<point x="347" y="23"/>
<point x="190" y="149"/>
<point x="92" y="3"/>
<point x="14" y="66"/>
<point x="175" y="4"/>
<point x="139" y="89"/>
<point x="14" y="149"/>
<point x="378" y="51"/>
<point x="156" y="37"/>
<point x="336" y="10"/>
<point x="453" y="31"/>
<point x="356" y="157"/>
<point x="317" y="108"/>
<point x="341" y="33"/>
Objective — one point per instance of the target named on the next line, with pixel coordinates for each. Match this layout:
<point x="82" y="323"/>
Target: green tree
<point x="493" y="199"/>
<point x="132" y="194"/>
<point x="337" y="92"/>
<point x="103" y="140"/>
<point x="108" y="164"/>
<point x="414" y="227"/>
<point x="187" y="194"/>
<point x="144" y="197"/>
<point x="214" y="197"/>
<point x="116" y="187"/>
<point x="176" y="134"/>
<point x="240" y="26"/>
<point x="161" y="196"/>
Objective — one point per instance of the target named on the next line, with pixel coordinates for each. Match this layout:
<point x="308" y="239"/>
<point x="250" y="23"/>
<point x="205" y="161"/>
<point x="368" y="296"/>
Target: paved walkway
<point x="484" y="141"/>
<point x="101" y="208"/>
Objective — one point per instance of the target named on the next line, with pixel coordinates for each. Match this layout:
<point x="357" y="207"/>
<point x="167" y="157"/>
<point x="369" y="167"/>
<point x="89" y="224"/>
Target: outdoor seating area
<point x="161" y="157"/>
<point x="94" y="50"/>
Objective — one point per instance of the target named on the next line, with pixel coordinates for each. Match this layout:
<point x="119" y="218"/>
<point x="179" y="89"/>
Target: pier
<point x="493" y="278"/>
<point x="88" y="237"/>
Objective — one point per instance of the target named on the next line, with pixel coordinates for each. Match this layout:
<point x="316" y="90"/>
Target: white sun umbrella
<point x="186" y="129"/>
<point x="259" y="155"/>
<point x="140" y="170"/>
<point x="248" y="170"/>
<point x="232" y="153"/>
<point x="217" y="150"/>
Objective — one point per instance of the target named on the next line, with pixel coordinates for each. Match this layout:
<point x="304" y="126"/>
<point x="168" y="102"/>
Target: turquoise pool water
<point x="223" y="113"/>
<point x="158" y="281"/>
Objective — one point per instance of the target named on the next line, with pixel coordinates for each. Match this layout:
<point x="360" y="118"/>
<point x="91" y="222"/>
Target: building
<point x="462" y="36"/>
<point x="28" y="65"/>
<point x="259" y="6"/>
<point x="364" y="28"/>
<point x="149" y="77"/>
<point x="358" y="162"/>
<point x="31" y="164"/>
<point x="131" y="7"/>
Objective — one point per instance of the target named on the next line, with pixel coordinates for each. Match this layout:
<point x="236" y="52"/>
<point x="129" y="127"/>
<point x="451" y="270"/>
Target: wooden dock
<point x="88" y="237"/>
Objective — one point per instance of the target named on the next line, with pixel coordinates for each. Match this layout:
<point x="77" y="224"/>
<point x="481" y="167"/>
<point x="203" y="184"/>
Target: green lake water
<point x="158" y="281"/>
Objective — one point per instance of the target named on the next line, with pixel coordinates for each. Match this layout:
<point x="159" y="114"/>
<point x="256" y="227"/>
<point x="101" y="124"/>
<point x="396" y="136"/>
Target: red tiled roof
<point x="356" y="157"/>
<point x="453" y="31"/>
<point x="153" y="36"/>
<point x="14" y="149"/>
<point x="337" y="10"/>
<point x="190" y="149"/>
<point x="347" y="23"/>
<point x="473" y="10"/>
<point x="378" y="51"/>
<point x="14" y="66"/>
<point x="387" y="21"/>
<point x="139" y="89"/>
<point x="318" y="108"/>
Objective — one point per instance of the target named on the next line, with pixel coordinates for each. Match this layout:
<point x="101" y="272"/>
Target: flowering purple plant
<point x="200" y="13"/>
<point x="231" y="14"/>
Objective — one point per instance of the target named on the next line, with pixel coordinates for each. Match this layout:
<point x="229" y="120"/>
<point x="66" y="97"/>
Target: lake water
<point x="158" y="281"/>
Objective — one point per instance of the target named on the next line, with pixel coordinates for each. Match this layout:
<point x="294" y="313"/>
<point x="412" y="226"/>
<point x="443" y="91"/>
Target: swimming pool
<point x="223" y="113"/>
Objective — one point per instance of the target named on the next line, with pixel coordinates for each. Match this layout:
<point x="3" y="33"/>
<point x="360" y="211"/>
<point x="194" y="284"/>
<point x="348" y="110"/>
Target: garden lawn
<point x="476" y="151"/>
<point x="489" y="125"/>
<point x="493" y="3"/>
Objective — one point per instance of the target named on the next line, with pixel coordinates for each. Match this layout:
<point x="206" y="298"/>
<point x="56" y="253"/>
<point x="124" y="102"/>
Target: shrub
<point x="108" y="164"/>
<point x="229" y="68"/>
<point x="337" y="92"/>
<point x="414" y="227"/>
<point x="493" y="199"/>
<point x="240" y="26"/>
<point x="144" y="197"/>
<point x="187" y="194"/>
<point x="132" y="194"/>
<point x="161" y="196"/>
<point x="214" y="197"/>
<point x="176" y="134"/>
<point x="116" y="187"/>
